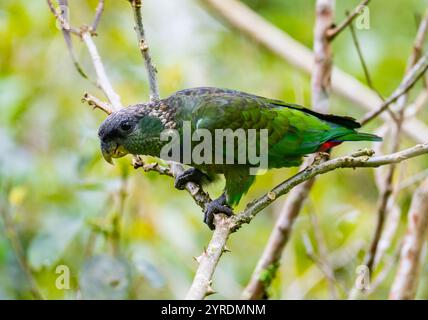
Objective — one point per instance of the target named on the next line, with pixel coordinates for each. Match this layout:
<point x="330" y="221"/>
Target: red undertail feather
<point x="328" y="145"/>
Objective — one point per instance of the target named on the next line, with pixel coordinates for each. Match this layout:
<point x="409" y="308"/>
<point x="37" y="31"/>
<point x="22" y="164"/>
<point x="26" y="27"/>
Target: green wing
<point x="293" y="131"/>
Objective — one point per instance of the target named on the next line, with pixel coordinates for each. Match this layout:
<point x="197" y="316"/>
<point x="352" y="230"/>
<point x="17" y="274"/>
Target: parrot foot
<point x="215" y="207"/>
<point x="190" y="175"/>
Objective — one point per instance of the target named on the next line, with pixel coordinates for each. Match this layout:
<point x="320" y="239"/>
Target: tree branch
<point x="102" y="79"/>
<point x="321" y="74"/>
<point x="396" y="128"/>
<point x="85" y="33"/>
<point x="145" y="51"/>
<point x="361" y="159"/>
<point x="414" y="74"/>
<point x="173" y="170"/>
<point x="61" y="17"/>
<point x="333" y="32"/>
<point x="362" y="61"/>
<point x="94" y="102"/>
<point x="406" y="279"/>
<point x="98" y="13"/>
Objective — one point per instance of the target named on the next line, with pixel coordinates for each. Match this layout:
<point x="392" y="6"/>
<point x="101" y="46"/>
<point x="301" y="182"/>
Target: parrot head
<point x="129" y="131"/>
<point x="114" y="134"/>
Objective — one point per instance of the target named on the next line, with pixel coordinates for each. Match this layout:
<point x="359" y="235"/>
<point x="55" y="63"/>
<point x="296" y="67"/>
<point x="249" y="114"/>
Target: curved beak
<point x="107" y="150"/>
<point x="111" y="150"/>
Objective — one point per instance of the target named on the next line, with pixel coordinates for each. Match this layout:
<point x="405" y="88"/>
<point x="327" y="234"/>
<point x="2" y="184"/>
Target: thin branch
<point x="85" y="33"/>
<point x="323" y="58"/>
<point x="396" y="129"/>
<point x="174" y="169"/>
<point x="95" y="103"/>
<point x="420" y="176"/>
<point x="362" y="61"/>
<point x="66" y="30"/>
<point x="98" y="13"/>
<point x="352" y="161"/>
<point x="333" y="32"/>
<point x="413" y="109"/>
<point x="102" y="79"/>
<point x="361" y="159"/>
<point x="414" y="74"/>
<point x="406" y="279"/>
<point x="145" y="51"/>
<point x="419" y="41"/>
<point x="249" y="23"/>
<point x="59" y="15"/>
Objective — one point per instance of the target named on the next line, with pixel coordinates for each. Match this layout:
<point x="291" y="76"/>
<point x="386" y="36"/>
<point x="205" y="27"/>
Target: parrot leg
<point x="214" y="207"/>
<point x="190" y="175"/>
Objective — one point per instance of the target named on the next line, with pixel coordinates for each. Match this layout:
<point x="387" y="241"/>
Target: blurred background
<point x="123" y="233"/>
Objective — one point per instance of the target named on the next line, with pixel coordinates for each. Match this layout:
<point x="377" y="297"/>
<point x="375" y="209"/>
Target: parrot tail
<point x="354" y="136"/>
<point x="358" y="136"/>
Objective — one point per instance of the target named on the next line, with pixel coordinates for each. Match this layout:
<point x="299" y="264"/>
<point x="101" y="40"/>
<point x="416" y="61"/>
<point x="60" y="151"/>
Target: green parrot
<point x="293" y="131"/>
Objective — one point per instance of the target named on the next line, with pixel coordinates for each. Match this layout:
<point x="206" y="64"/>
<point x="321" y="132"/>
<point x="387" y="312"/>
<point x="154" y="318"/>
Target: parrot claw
<point x="215" y="207"/>
<point x="190" y="175"/>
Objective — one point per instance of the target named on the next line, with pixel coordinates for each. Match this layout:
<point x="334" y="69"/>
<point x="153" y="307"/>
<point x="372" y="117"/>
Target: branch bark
<point x="145" y="50"/>
<point x="414" y="74"/>
<point x="406" y="279"/>
<point x="386" y="200"/>
<point x="335" y="31"/>
<point x="102" y="79"/>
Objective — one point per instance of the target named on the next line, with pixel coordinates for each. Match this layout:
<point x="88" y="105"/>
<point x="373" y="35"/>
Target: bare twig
<point x="414" y="108"/>
<point x="201" y="285"/>
<point x="98" y="13"/>
<point x="86" y="33"/>
<point x="396" y="129"/>
<point x="321" y="74"/>
<point x="363" y="62"/>
<point x="413" y="180"/>
<point x="406" y="279"/>
<point x="94" y="102"/>
<point x="61" y="15"/>
<point x="414" y="74"/>
<point x="333" y="32"/>
<point x="145" y="51"/>
<point x="102" y="79"/>
<point x="361" y="159"/>
<point x="173" y="170"/>
<point x="280" y="43"/>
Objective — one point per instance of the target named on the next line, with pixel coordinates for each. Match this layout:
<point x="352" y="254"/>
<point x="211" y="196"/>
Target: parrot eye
<point x="125" y="126"/>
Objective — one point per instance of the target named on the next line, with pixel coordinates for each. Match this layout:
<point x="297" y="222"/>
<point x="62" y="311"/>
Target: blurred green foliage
<point x="127" y="234"/>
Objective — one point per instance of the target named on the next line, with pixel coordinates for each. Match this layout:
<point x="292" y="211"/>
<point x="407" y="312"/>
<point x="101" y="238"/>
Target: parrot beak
<point x="107" y="149"/>
<point x="111" y="150"/>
